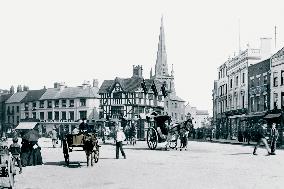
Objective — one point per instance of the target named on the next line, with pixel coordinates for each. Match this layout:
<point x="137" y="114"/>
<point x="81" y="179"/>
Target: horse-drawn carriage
<point x="7" y="171"/>
<point x="163" y="131"/>
<point x="87" y="141"/>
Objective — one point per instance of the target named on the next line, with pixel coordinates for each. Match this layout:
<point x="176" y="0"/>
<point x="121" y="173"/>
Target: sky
<point x="42" y="42"/>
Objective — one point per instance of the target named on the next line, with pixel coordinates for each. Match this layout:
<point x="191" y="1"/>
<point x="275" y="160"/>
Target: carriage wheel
<point x="96" y="154"/>
<point x="152" y="138"/>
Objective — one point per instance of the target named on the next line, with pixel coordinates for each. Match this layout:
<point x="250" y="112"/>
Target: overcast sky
<point x="42" y="42"/>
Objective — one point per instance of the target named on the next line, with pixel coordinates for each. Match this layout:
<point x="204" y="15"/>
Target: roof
<point x="70" y="92"/>
<point x="202" y="112"/>
<point x="4" y="97"/>
<point x="128" y="84"/>
<point x="17" y="97"/>
<point x="105" y="87"/>
<point x="33" y="95"/>
<point x="176" y="98"/>
<point x="26" y="125"/>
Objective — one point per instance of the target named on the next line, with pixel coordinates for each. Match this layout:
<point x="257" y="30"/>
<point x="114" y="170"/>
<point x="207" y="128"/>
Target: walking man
<point x="274" y="136"/>
<point x="260" y="137"/>
<point x="120" y="137"/>
<point x="15" y="150"/>
<point x="54" y="137"/>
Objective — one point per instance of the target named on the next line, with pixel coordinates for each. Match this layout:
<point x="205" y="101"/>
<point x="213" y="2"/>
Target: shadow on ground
<point x="72" y="164"/>
<point x="236" y="154"/>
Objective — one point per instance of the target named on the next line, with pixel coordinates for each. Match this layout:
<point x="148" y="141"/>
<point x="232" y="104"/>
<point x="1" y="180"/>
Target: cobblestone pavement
<point x="205" y="165"/>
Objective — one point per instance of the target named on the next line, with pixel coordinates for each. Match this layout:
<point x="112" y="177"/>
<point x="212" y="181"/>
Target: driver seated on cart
<point x="84" y="127"/>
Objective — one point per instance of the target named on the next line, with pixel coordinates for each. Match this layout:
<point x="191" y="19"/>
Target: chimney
<point x="86" y="84"/>
<point x="265" y="48"/>
<point x="61" y="85"/>
<point x="95" y="83"/>
<point x="56" y="85"/>
<point x="137" y="71"/>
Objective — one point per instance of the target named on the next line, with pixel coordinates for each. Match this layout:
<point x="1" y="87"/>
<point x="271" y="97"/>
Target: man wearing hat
<point x="15" y="150"/>
<point x="83" y="126"/>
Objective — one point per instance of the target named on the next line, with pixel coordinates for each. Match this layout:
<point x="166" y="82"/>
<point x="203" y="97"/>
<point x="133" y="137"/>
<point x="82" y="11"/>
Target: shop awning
<point x="270" y="116"/>
<point x="255" y="115"/>
<point x="26" y="125"/>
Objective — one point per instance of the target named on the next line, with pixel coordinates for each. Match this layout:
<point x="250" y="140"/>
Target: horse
<point x="90" y="143"/>
<point x="130" y="134"/>
<point x="179" y="131"/>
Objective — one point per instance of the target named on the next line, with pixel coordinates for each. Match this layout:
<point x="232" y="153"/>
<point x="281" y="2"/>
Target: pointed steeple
<point x="161" y="67"/>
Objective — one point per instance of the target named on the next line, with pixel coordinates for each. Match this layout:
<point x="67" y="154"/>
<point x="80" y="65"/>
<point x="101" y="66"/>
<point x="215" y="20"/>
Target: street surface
<point x="205" y="165"/>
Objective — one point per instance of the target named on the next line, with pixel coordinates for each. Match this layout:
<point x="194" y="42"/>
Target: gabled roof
<point x="106" y="85"/>
<point x="33" y="95"/>
<point x="17" y="97"/>
<point x="4" y="97"/>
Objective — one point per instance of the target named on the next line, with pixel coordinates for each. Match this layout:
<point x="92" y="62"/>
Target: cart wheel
<point x="96" y="154"/>
<point x="152" y="138"/>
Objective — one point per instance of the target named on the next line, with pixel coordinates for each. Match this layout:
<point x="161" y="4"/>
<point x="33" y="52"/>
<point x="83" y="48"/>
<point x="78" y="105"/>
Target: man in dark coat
<point x="83" y="126"/>
<point x="260" y="137"/>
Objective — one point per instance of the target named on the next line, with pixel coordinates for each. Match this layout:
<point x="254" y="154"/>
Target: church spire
<point x="161" y="67"/>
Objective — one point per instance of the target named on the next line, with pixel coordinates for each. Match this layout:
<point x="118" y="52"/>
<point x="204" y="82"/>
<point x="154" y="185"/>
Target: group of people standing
<point x="260" y="138"/>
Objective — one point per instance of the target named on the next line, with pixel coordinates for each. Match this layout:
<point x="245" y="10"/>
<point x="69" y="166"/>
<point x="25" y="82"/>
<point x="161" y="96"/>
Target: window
<point x="56" y="103"/>
<point x="176" y="105"/>
<point x="18" y="119"/>
<point x="176" y="115"/>
<point x="63" y="103"/>
<point x="243" y="80"/>
<point x="41" y="104"/>
<point x="26" y="115"/>
<point x="49" y="104"/>
<point x="8" y="110"/>
<point x="226" y="90"/>
<point x="117" y="95"/>
<point x="56" y="115"/>
<point x="265" y="102"/>
<point x="282" y="77"/>
<point x="237" y="81"/>
<point x="265" y="79"/>
<point x="34" y="104"/>
<point x="34" y="115"/>
<point x="243" y="101"/>
<point x="151" y="97"/>
<point x="231" y="83"/>
<point x="83" y="102"/>
<point x="26" y="106"/>
<point x="252" y="83"/>
<point x="83" y="114"/>
<point x="257" y="81"/>
<point x="252" y="104"/>
<point x="257" y="103"/>
<point x="18" y="109"/>
<point x="49" y="115"/>
<point x="71" y="115"/>
<point x="167" y="104"/>
<point x="275" y="79"/>
<point x="275" y="100"/>
<point x="41" y="115"/>
<point x="71" y="103"/>
<point x="63" y="115"/>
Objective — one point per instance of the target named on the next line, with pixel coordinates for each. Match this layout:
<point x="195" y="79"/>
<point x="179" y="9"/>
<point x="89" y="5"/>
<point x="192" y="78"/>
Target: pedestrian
<point x="260" y="137"/>
<point x="15" y="150"/>
<point x="84" y="127"/>
<point x="274" y="136"/>
<point x="120" y="137"/>
<point x="54" y="137"/>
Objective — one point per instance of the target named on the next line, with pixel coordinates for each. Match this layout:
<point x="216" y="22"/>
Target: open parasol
<point x="31" y="135"/>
